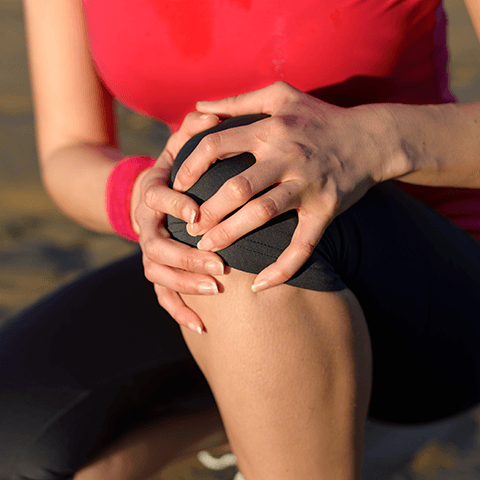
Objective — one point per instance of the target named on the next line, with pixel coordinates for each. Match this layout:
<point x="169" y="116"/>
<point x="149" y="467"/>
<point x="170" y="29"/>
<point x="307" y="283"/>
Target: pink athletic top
<point x="159" y="57"/>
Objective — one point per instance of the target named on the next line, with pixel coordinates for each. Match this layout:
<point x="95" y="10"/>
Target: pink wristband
<point x="119" y="192"/>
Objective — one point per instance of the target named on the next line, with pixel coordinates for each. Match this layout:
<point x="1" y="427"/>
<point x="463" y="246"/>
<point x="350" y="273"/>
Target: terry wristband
<point x="119" y="192"/>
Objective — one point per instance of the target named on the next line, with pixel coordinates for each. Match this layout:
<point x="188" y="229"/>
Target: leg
<point x="290" y="370"/>
<point x="96" y="362"/>
<point x="143" y="453"/>
<point x="403" y="262"/>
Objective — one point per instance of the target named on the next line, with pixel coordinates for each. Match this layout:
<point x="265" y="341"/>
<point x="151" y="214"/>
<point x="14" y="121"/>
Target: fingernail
<point x="206" y="115"/>
<point x="258" y="287"/>
<point x="178" y="186"/>
<point x="205" y="244"/>
<point x="195" y="328"/>
<point x="214" y="268"/>
<point x="208" y="288"/>
<point x="189" y="215"/>
<point x="189" y="230"/>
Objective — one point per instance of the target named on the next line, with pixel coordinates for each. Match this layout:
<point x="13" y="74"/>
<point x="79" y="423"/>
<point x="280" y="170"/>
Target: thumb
<point x="165" y="159"/>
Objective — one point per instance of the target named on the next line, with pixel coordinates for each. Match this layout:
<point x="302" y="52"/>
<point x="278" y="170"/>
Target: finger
<point x="179" y="280"/>
<point x="193" y="123"/>
<point x="264" y="100"/>
<point x="304" y="240"/>
<point x="159" y="197"/>
<point x="213" y="147"/>
<point x="159" y="249"/>
<point x="234" y="193"/>
<point x="171" y="253"/>
<point x="253" y="215"/>
<point x="173" y="303"/>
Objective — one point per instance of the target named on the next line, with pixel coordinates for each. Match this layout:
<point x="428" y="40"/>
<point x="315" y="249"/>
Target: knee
<point x="218" y="174"/>
<point x="285" y="346"/>
<point x="283" y="307"/>
<point x="114" y="466"/>
<point x="279" y="324"/>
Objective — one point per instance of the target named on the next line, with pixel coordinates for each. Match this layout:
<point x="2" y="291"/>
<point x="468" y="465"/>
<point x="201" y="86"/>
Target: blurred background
<point x="40" y="249"/>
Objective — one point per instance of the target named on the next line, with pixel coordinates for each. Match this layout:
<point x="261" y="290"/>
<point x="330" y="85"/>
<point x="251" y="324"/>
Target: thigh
<point x="417" y="277"/>
<point x="84" y="366"/>
<point x="290" y="370"/>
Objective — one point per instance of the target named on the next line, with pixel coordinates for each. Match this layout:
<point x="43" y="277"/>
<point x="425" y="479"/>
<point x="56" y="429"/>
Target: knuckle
<point x="149" y="271"/>
<point x="233" y="99"/>
<point x="221" y="235"/>
<point x="283" y="88"/>
<point x="189" y="263"/>
<point x="279" y="85"/>
<point x="240" y="188"/>
<point x="175" y="205"/>
<point x="266" y="208"/>
<point x="211" y="143"/>
<point x="305" y="250"/>
<point x="207" y="216"/>
<point x="278" y="126"/>
<point x="149" y="249"/>
<point x="189" y="118"/>
<point x="161" y="298"/>
<point x="182" y="286"/>
<point x="185" y="172"/>
<point x="150" y="195"/>
<point x="282" y="275"/>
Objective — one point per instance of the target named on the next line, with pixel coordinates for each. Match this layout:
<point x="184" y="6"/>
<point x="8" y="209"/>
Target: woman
<point x="290" y="367"/>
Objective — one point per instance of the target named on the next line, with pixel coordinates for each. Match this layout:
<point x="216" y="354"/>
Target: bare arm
<point x="473" y="7"/>
<point x="442" y="141"/>
<point x="74" y="112"/>
<point x="438" y="144"/>
<point x="78" y="149"/>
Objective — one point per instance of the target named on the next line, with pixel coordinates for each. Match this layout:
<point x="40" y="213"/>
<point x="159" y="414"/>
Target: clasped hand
<point x="320" y="159"/>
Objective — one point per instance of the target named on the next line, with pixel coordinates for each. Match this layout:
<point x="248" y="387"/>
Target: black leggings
<point x="100" y="357"/>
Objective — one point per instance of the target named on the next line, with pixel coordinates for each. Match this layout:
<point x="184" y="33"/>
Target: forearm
<point x="435" y="145"/>
<point x="75" y="178"/>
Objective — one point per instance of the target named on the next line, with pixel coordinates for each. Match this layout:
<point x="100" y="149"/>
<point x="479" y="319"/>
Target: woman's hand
<point x="171" y="266"/>
<point x="320" y="159"/>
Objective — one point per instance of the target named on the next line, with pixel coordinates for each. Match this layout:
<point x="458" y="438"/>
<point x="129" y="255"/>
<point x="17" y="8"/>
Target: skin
<point x="77" y="140"/>
<point x="291" y="373"/>
<point x="78" y="148"/>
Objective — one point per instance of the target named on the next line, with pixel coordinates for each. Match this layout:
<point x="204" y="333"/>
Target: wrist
<point x="119" y="192"/>
<point x="137" y="195"/>
<point x="391" y="159"/>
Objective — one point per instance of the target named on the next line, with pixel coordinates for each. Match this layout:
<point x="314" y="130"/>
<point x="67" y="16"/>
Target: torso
<point x="159" y="57"/>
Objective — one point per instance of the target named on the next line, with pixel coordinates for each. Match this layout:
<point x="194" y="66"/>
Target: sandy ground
<point x="40" y="249"/>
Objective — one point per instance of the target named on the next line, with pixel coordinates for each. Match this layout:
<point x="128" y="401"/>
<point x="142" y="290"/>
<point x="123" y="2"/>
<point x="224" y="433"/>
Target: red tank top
<point x="159" y="57"/>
